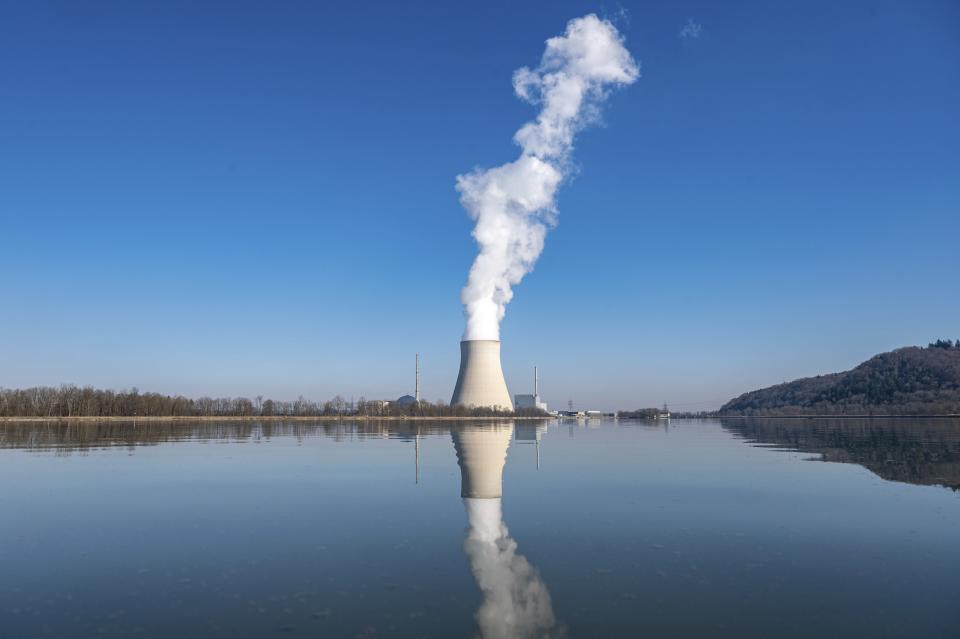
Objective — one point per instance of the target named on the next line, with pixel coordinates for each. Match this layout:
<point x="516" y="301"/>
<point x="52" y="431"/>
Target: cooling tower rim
<point x="471" y="341"/>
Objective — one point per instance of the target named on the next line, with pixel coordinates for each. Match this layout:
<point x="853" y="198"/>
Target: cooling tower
<point x="481" y="454"/>
<point x="480" y="382"/>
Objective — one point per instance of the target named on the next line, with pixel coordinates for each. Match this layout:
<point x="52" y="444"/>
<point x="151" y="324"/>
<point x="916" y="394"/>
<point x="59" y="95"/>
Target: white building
<point x="531" y="401"/>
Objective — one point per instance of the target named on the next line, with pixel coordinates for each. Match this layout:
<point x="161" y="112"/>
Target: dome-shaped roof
<point x="406" y="400"/>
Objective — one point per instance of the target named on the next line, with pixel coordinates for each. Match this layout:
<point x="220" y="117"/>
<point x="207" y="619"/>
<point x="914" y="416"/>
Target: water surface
<point x="739" y="528"/>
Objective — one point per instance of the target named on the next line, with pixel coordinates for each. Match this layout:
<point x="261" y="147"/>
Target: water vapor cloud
<point x="691" y="30"/>
<point x="514" y="204"/>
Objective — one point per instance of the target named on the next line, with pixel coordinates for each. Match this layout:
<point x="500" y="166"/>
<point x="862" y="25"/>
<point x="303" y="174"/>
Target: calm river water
<point x="739" y="528"/>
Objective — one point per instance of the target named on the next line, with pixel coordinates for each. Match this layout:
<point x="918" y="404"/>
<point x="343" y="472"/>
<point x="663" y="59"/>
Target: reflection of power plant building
<point x="531" y="401"/>
<point x="480" y="381"/>
<point x="527" y="432"/>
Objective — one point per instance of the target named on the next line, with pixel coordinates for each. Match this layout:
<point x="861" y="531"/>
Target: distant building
<point x="531" y="401"/>
<point x="378" y="405"/>
<point x="406" y="400"/>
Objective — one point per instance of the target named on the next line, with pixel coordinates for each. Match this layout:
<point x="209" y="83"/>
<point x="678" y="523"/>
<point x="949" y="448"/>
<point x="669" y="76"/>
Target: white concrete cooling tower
<point x="481" y="382"/>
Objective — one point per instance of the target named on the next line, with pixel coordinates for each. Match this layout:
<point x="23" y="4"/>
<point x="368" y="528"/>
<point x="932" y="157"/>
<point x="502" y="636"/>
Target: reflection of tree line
<point x="71" y="436"/>
<point x="913" y="451"/>
<point x="516" y="603"/>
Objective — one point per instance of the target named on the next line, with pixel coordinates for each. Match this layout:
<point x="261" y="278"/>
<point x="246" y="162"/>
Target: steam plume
<point x="513" y="204"/>
<point x="516" y="603"/>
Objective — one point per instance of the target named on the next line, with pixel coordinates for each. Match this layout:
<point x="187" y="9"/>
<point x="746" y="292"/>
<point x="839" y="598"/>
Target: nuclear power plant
<point x="480" y="382"/>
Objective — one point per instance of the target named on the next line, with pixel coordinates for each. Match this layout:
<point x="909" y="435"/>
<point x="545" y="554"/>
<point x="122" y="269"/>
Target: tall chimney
<point x="416" y="393"/>
<point x="480" y="381"/>
<point x="536" y="391"/>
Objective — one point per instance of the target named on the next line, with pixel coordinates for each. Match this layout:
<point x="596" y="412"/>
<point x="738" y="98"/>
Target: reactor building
<point x="531" y="401"/>
<point x="480" y="382"/>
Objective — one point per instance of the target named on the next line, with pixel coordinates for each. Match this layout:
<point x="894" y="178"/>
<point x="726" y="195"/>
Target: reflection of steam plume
<point x="513" y="204"/>
<point x="515" y="600"/>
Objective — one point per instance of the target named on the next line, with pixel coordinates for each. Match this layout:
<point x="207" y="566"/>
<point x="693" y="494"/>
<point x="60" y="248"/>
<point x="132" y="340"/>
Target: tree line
<point x="70" y="436"/>
<point x="74" y="401"/>
<point x="639" y="413"/>
<point x="945" y="344"/>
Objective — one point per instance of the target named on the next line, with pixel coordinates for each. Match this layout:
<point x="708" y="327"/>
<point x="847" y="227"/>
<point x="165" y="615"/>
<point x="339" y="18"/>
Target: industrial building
<point x="531" y="401"/>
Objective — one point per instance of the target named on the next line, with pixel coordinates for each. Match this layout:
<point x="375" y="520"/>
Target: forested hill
<point x="907" y="381"/>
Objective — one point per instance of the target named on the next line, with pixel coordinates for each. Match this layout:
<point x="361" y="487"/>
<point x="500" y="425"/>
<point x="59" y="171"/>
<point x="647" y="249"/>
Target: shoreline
<point x="264" y="418"/>
<point x="847" y="416"/>
<point x="405" y="418"/>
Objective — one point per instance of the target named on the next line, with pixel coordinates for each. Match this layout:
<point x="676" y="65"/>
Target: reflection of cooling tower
<point x="516" y="603"/>
<point x="480" y="382"/>
<point x="481" y="454"/>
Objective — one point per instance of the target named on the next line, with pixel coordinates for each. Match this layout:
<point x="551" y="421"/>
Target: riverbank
<point x="945" y="415"/>
<point x="267" y="418"/>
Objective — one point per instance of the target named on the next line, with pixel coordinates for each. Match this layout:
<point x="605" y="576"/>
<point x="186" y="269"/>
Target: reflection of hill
<point x="78" y="436"/>
<point x="913" y="451"/>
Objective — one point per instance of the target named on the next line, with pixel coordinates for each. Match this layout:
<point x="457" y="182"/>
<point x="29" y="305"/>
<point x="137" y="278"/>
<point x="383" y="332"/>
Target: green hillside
<point x="907" y="381"/>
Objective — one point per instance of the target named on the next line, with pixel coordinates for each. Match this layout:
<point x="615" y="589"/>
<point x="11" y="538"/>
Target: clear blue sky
<point x="259" y="197"/>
